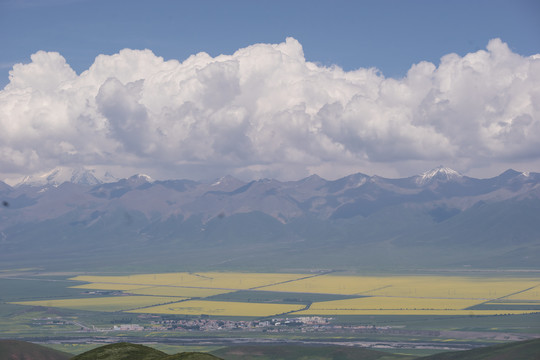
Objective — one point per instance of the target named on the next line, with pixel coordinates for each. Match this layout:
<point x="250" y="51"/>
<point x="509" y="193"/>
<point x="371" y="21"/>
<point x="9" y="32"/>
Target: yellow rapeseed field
<point x="385" y="295"/>
<point x="394" y="303"/>
<point x="178" y="291"/>
<point x="330" y="284"/>
<point x="531" y="294"/>
<point x="185" y="279"/>
<point x="224" y="308"/>
<point x="115" y="303"/>
<point x="222" y="280"/>
<point x="516" y="302"/>
<point x="211" y="280"/>
<point x="409" y="312"/>
<point x="161" y="290"/>
<point x="106" y="286"/>
<point x="482" y="288"/>
<point x="454" y="287"/>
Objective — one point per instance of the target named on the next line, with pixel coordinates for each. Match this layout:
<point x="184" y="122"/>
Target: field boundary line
<point x="293" y="280"/>
<point x="505" y="296"/>
<point x="150" y="306"/>
<point x="517" y="292"/>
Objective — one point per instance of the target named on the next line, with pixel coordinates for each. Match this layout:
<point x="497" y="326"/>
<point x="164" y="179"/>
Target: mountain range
<point x="71" y="217"/>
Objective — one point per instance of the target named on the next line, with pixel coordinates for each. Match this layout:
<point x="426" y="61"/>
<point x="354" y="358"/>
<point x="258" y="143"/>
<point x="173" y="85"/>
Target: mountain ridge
<point x="61" y="174"/>
<point x="386" y="218"/>
<point x="91" y="176"/>
<point x="23" y="350"/>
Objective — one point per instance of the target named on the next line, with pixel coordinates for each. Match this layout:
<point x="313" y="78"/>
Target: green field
<point x="418" y="308"/>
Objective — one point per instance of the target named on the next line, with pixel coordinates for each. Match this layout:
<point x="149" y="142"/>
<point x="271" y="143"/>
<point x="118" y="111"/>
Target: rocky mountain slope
<point x="437" y="218"/>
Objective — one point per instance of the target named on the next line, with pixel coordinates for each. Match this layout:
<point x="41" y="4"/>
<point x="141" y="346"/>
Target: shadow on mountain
<point x="128" y="351"/>
<point x="22" y="350"/>
<point x="520" y="350"/>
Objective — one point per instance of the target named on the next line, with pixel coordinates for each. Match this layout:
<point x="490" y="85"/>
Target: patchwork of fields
<point x="271" y="294"/>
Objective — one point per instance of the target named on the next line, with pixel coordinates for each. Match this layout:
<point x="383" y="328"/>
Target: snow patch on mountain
<point x="441" y="173"/>
<point x="140" y="179"/>
<point x="62" y="174"/>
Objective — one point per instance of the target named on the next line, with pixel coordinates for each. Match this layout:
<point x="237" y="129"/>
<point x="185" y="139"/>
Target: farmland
<point x="221" y="308"/>
<point x="322" y="293"/>
<point x="216" y="280"/>
<point x="112" y="303"/>
<point x="216" y="308"/>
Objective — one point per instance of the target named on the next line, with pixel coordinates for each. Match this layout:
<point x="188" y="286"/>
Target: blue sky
<point x="389" y="35"/>
<point x="456" y="83"/>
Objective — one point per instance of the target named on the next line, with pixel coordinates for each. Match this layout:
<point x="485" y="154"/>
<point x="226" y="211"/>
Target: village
<point x="271" y="325"/>
<point x="205" y="324"/>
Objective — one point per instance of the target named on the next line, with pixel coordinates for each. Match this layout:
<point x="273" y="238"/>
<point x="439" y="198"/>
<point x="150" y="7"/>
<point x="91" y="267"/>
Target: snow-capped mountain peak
<point x="140" y="179"/>
<point x="440" y="173"/>
<point x="62" y="174"/>
<point x="224" y="180"/>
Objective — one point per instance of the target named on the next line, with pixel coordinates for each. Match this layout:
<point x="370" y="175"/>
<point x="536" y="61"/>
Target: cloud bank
<point x="265" y="111"/>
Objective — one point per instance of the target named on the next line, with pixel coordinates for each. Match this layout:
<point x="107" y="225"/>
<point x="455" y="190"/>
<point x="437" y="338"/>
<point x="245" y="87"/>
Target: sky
<point x="279" y="89"/>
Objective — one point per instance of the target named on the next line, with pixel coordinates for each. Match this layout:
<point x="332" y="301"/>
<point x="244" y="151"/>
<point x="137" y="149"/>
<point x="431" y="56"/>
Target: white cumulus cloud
<point x="265" y="111"/>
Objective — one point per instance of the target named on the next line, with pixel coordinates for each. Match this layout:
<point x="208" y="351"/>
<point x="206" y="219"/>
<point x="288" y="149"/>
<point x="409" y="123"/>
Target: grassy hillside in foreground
<point x="522" y="350"/>
<point x="127" y="351"/>
<point x="22" y="350"/>
<point x="122" y="351"/>
<point x="298" y="352"/>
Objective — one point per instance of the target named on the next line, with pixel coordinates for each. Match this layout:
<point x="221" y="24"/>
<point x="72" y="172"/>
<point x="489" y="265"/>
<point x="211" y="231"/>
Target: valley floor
<point x="62" y="311"/>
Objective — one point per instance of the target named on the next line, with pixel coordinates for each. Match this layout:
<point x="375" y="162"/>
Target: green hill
<point x="122" y="351"/>
<point x="22" y="350"/>
<point x="127" y="351"/>
<point x="299" y="352"/>
<point x="522" y="350"/>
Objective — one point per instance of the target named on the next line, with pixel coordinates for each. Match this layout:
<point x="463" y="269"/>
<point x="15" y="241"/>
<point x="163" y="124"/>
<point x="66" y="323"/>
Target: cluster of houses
<point x="206" y="324"/>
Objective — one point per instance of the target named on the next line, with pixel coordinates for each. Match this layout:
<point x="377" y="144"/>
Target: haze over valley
<point x="439" y="218"/>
